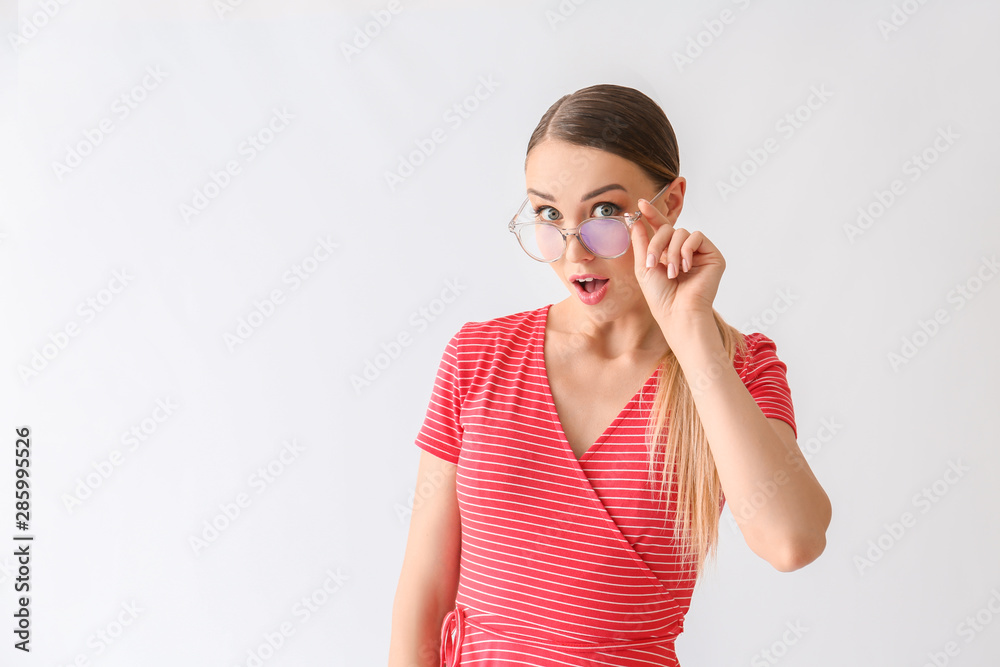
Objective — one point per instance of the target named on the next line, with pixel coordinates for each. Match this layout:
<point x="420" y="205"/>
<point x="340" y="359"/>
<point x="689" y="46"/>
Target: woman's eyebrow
<point x="589" y="195"/>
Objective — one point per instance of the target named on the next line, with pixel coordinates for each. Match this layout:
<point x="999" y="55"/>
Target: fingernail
<point x="671" y="271"/>
<point x="650" y="260"/>
<point x="685" y="265"/>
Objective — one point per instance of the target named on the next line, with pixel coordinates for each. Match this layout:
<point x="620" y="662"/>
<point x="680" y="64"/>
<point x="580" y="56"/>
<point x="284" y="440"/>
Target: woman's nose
<point x="575" y="250"/>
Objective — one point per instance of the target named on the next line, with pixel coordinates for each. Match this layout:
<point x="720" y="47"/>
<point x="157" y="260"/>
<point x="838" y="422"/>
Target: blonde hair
<point x="627" y="123"/>
<point x="682" y="462"/>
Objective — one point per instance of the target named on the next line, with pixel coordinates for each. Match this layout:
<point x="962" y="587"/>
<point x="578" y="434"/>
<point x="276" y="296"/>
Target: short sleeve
<point x="441" y="432"/>
<point x="763" y="373"/>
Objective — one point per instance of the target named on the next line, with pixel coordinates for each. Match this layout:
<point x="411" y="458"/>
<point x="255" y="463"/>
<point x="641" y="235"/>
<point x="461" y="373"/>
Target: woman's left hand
<point x="686" y="293"/>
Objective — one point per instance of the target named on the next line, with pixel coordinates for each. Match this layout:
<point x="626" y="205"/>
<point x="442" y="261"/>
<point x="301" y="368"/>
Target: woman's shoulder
<point x="761" y="350"/>
<point x="502" y="328"/>
<point x="758" y="342"/>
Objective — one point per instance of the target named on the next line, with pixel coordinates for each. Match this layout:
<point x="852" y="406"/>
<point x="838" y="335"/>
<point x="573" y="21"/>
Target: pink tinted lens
<point x="605" y="236"/>
<point x="548" y="242"/>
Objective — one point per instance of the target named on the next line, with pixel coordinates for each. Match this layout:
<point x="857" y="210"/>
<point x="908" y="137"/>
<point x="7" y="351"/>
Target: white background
<point x="340" y="505"/>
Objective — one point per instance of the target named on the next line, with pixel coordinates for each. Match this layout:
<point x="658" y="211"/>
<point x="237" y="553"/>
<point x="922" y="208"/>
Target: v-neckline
<point x="539" y="351"/>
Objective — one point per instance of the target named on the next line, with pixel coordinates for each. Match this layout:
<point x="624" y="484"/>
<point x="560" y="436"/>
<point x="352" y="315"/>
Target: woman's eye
<point x="548" y="214"/>
<point x="605" y="209"/>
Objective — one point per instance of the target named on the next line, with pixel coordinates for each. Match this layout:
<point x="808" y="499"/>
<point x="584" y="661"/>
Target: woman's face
<point x="567" y="184"/>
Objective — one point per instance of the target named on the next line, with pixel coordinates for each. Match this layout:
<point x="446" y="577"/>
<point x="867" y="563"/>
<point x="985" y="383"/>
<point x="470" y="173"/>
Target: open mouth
<point x="590" y="285"/>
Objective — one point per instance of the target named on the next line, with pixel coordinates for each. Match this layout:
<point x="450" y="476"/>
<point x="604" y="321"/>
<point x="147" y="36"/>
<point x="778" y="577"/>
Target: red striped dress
<point x="564" y="561"/>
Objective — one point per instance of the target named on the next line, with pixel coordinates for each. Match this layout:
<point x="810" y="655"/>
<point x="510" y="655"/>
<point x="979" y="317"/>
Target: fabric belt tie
<point x="456" y="620"/>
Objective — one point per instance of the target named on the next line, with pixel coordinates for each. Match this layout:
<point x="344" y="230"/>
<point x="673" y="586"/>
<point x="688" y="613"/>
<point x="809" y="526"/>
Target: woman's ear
<point x="672" y="201"/>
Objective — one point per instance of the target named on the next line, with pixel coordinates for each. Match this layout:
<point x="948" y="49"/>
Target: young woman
<point x="577" y="456"/>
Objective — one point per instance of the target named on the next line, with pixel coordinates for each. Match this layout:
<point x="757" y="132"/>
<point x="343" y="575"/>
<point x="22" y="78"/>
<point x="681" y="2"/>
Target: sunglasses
<point x="606" y="236"/>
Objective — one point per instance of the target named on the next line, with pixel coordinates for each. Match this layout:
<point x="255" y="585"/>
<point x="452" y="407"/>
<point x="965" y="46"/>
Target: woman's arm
<point x="756" y="457"/>
<point x="428" y="582"/>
